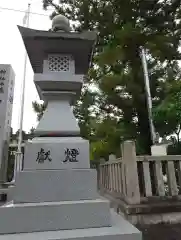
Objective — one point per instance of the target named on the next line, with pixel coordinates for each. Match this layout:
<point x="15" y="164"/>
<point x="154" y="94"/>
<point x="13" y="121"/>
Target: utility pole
<point x="148" y="94"/>
<point x="19" y="154"/>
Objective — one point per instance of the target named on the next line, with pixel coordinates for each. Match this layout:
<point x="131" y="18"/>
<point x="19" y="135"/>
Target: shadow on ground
<point x="161" y="231"/>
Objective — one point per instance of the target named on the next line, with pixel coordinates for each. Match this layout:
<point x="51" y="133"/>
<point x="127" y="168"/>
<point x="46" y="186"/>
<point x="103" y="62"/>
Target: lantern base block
<point x="55" y="153"/>
<point x="55" y="185"/>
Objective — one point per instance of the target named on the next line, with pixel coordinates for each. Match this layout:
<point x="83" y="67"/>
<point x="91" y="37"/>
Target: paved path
<point x="161" y="232"/>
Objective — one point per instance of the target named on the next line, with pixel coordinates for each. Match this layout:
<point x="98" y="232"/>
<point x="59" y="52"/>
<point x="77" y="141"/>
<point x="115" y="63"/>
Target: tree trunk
<point x="140" y="100"/>
<point x="145" y="134"/>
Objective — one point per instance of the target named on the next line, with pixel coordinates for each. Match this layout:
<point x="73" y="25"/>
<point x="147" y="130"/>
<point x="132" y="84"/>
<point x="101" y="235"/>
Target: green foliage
<point x="107" y="138"/>
<point x="85" y="112"/>
<point x="174" y="149"/>
<point x="39" y="109"/>
<point x="123" y="27"/>
<point x="167" y="115"/>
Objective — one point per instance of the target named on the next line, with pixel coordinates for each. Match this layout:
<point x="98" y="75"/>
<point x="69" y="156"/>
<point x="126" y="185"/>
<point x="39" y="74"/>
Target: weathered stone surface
<point x="7" y="79"/>
<point x="120" y="230"/>
<point x="159" y="150"/>
<point x="35" y="217"/>
<point x="58" y="118"/>
<point x="52" y="81"/>
<point x="55" y="185"/>
<point x="58" y="157"/>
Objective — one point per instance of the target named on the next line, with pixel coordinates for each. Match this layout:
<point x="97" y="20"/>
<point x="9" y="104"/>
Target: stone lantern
<point x="59" y="59"/>
<point x="55" y="196"/>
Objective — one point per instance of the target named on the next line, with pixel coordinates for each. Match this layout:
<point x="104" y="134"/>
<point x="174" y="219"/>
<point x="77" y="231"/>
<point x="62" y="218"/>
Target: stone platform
<point x="51" y="216"/>
<point x="120" y="230"/>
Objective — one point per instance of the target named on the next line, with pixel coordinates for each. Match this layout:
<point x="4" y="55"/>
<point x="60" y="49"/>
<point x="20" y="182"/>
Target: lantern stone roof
<point x="40" y="43"/>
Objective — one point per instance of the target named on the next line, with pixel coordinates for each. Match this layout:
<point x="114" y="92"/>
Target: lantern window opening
<point x="59" y="63"/>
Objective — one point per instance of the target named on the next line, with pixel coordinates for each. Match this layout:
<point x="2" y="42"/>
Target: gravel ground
<point x="161" y="232"/>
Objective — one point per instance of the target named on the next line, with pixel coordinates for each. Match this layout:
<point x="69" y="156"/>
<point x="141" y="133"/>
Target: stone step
<point x="55" y="186"/>
<point x="32" y="217"/>
<point x="120" y="230"/>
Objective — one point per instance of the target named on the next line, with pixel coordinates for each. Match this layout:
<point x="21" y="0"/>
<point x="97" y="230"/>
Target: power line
<point x="23" y="11"/>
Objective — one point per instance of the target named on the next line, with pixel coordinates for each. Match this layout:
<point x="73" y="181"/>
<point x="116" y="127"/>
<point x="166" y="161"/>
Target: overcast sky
<point x="12" y="52"/>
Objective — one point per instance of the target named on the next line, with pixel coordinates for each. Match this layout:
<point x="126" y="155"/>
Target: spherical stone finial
<point x="61" y="23"/>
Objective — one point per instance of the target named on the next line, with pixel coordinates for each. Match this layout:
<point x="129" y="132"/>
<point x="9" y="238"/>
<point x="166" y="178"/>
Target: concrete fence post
<point x="102" y="160"/>
<point x="130" y="173"/>
<point x="112" y="158"/>
<point x="111" y="172"/>
<point x="101" y="174"/>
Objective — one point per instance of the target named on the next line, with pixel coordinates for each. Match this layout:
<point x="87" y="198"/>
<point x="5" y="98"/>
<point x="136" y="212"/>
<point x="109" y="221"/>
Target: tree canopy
<point x="167" y="115"/>
<point x="117" y="109"/>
